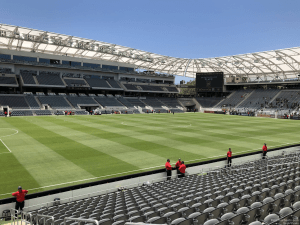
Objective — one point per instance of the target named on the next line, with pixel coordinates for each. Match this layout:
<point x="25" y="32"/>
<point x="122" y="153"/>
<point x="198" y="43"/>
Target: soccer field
<point x="42" y="153"/>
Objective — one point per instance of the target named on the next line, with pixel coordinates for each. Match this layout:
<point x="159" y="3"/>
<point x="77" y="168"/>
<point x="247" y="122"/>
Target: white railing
<point x="44" y="219"/>
<point x="80" y="220"/>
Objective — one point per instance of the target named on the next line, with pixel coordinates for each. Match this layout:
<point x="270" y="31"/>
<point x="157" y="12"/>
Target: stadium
<point x="87" y="127"/>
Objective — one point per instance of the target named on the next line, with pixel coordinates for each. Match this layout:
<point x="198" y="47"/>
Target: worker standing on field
<point x="182" y="169"/>
<point x="177" y="165"/>
<point x="265" y="149"/>
<point x="20" y="198"/>
<point x="229" y="157"/>
<point x="168" y="169"/>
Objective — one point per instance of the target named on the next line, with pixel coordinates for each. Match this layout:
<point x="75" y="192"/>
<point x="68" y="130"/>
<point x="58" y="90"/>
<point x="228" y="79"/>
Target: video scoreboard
<point x="210" y="82"/>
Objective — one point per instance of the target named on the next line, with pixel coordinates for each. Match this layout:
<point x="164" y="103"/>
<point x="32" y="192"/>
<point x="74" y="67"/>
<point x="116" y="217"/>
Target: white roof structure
<point x="268" y="65"/>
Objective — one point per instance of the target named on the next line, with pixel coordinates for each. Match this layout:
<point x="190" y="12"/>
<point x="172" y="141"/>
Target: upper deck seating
<point x="114" y="84"/>
<point x="55" y="102"/>
<point x="234" y="99"/>
<point x="286" y="99"/>
<point x="208" y="102"/>
<point x="97" y="83"/>
<point x="14" y="101"/>
<point x="136" y="102"/>
<point x="125" y="102"/>
<point x="108" y="101"/>
<point x="130" y="87"/>
<point x="151" y="88"/>
<point x="172" y="89"/>
<point x="259" y="98"/>
<point x="49" y="78"/>
<point x="75" y="82"/>
<point x="8" y="80"/>
<point x="27" y="77"/>
<point x="32" y="102"/>
<point x="153" y="102"/>
<point x="170" y="102"/>
<point x="82" y="100"/>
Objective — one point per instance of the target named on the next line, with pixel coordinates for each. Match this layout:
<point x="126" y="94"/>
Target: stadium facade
<point x="43" y="73"/>
<point x="268" y="65"/>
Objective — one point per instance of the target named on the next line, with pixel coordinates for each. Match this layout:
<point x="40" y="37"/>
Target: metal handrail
<point x="44" y="217"/>
<point x="13" y="216"/>
<point x="80" y="220"/>
<point x="24" y="217"/>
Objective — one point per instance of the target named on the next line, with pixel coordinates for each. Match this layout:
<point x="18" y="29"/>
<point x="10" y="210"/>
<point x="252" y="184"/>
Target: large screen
<point x="210" y="82"/>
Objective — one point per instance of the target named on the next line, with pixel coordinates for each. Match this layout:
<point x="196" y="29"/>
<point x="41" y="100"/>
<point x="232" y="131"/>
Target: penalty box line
<point x="5" y="147"/>
<point x="8" y="136"/>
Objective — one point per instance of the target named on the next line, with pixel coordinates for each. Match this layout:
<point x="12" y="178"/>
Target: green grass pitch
<point x="56" y="151"/>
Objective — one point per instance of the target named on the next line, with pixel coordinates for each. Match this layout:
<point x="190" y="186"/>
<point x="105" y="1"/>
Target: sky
<point x="177" y="28"/>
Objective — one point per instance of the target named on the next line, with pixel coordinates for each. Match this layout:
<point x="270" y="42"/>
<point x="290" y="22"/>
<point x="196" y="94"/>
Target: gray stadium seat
<point x="271" y="218"/>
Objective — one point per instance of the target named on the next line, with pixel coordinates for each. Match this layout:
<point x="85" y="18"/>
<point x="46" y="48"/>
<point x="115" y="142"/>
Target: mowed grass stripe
<point x="203" y="143"/>
<point x="203" y="139"/>
<point x="197" y="142"/>
<point x="13" y="174"/>
<point x="93" y="138"/>
<point x="3" y="149"/>
<point x="91" y="160"/>
<point x="208" y="143"/>
<point x="44" y="164"/>
<point x="121" y="136"/>
<point x="280" y="134"/>
<point x="247" y="144"/>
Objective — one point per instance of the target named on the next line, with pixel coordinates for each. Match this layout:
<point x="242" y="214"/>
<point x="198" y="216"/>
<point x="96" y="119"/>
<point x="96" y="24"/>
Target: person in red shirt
<point x="168" y="169"/>
<point x="5" y="113"/>
<point x="229" y="157"/>
<point x="265" y="149"/>
<point x="182" y="169"/>
<point x="177" y="165"/>
<point x="20" y="198"/>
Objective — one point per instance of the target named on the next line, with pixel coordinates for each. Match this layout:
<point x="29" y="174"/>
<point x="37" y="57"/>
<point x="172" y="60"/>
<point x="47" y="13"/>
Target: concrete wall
<point x="68" y="196"/>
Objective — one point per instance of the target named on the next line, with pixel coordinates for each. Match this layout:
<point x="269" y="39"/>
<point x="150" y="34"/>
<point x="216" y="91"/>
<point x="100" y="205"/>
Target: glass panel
<point x="91" y="65"/>
<point x="2" y="56"/>
<point x="41" y="60"/>
<point x="109" y="67"/>
<point x="24" y="58"/>
<point x="75" y="63"/>
<point x="128" y="69"/>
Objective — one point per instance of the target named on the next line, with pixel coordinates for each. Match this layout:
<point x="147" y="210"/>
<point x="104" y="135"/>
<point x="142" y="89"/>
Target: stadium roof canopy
<point x="283" y="63"/>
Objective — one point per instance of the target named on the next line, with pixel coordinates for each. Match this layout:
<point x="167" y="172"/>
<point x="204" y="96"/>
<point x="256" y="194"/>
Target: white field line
<point x="8" y="136"/>
<point x="5" y="153"/>
<point x="5" y="145"/>
<point x="183" y="126"/>
<point x="135" y="170"/>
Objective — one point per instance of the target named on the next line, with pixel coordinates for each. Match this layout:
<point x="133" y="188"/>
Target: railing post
<point x="13" y="216"/>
